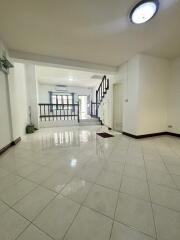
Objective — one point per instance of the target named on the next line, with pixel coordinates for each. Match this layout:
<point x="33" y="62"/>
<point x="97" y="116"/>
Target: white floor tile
<point x="89" y="225"/>
<point x="3" y="207"/>
<point x="176" y="180"/>
<point x="89" y="174"/>
<point x="103" y="200"/>
<point x="47" y="158"/>
<point x="135" y="187"/>
<point x="17" y="191"/>
<point x="8" y="180"/>
<point x="115" y="167"/>
<point x="40" y="175"/>
<point x="167" y="223"/>
<point x="27" y="170"/>
<point x="164" y="196"/>
<point x="11" y="225"/>
<point x="3" y="173"/>
<point x="77" y="189"/>
<point x="173" y="169"/>
<point x="134" y="171"/>
<point x="57" y="181"/>
<point x="122" y="232"/>
<point x="109" y="179"/>
<point x="161" y="178"/>
<point x="31" y="205"/>
<point x="57" y="217"/>
<point x="135" y="213"/>
<point x="33" y="233"/>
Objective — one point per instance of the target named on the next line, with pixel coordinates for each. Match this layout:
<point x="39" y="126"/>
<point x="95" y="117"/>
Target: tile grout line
<point x="119" y="191"/>
<point x="177" y="189"/>
<point x="154" y="223"/>
<point x="82" y="204"/>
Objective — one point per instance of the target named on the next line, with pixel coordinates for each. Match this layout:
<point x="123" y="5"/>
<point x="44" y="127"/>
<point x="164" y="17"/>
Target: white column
<point x="32" y="92"/>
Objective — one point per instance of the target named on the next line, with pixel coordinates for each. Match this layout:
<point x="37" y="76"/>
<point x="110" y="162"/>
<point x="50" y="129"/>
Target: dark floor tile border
<point x="151" y="135"/>
<point x="2" y="150"/>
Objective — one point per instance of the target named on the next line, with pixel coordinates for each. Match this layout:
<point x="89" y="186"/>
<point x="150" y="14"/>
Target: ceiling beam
<point x="61" y="62"/>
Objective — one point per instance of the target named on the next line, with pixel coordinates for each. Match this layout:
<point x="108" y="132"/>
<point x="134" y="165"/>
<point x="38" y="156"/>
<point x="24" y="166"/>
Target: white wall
<point x="131" y="96"/>
<point x="154" y="76"/>
<point x="13" y="100"/>
<point x="18" y="99"/>
<point x="5" y="118"/>
<point x="44" y="92"/>
<point x="145" y="82"/>
<point x="174" y="98"/>
<point x="128" y="76"/>
<point x="117" y="106"/>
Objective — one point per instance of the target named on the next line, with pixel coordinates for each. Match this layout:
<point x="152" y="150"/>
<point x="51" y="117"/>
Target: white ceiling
<point x="96" y="31"/>
<point x="60" y="76"/>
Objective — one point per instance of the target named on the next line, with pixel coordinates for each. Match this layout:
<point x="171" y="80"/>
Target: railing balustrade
<point x="54" y="112"/>
<point x="100" y="93"/>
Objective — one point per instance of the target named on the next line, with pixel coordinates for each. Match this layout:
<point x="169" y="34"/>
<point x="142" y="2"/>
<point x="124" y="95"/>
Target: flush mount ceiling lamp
<point x="144" y="11"/>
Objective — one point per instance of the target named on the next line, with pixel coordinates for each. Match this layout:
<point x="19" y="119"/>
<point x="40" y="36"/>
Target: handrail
<point x="100" y="93"/>
<point x="49" y="111"/>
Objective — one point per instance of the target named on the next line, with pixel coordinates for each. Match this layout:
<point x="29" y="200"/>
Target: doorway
<point x="83" y="107"/>
<point x="117" y="106"/>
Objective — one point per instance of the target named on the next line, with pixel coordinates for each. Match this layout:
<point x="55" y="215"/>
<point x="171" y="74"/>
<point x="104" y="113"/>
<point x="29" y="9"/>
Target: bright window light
<point x="144" y="11"/>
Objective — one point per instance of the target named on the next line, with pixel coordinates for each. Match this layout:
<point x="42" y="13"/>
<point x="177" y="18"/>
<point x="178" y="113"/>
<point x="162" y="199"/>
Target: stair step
<point x="89" y="122"/>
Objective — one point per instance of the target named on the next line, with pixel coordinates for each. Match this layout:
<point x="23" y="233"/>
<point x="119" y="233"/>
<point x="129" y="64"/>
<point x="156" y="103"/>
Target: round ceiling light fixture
<point x="144" y="11"/>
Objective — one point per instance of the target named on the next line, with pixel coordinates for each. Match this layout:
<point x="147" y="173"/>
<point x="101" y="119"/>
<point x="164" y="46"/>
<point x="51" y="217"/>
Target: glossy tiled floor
<point x="68" y="184"/>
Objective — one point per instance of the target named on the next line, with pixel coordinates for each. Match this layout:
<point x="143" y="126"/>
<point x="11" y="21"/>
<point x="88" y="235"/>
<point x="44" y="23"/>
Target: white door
<point x="117" y="106"/>
<point x="83" y="107"/>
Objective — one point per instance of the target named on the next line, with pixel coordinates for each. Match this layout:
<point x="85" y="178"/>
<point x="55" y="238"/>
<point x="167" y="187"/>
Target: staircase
<point x="100" y="94"/>
<point x="90" y="122"/>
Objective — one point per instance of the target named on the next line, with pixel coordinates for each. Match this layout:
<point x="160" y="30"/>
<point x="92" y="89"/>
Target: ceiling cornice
<point x="61" y="62"/>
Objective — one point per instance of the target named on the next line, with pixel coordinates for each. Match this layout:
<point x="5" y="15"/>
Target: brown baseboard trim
<point x="16" y="141"/>
<point x="151" y="135"/>
<point x="173" y="134"/>
<point x="145" y="135"/>
<point x="2" y="150"/>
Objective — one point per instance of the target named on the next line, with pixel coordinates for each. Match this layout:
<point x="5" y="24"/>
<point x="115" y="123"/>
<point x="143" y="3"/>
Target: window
<point x="53" y="99"/>
<point x="61" y="99"/>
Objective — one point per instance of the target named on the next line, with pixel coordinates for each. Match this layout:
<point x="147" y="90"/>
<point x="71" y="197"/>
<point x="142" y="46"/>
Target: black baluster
<point x="40" y="112"/>
<point x="49" y="112"/>
<point x="44" y="112"/>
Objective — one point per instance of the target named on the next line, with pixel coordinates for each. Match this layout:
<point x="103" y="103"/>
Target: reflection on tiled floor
<point x="69" y="184"/>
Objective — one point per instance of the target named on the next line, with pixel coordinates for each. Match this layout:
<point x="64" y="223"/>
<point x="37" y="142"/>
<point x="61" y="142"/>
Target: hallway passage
<point x="68" y="183"/>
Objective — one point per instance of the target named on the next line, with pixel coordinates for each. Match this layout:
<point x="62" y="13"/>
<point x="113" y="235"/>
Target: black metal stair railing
<point x="100" y="94"/>
<point x="54" y="112"/>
